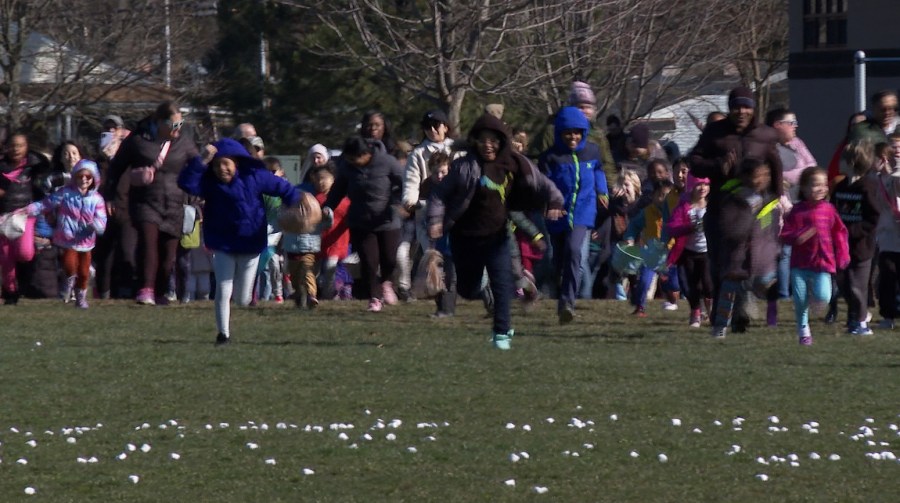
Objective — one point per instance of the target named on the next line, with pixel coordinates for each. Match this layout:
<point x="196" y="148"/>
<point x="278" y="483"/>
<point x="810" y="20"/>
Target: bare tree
<point x="62" y="56"/>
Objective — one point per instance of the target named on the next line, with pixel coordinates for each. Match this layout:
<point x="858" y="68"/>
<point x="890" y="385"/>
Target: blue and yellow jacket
<point x="578" y="174"/>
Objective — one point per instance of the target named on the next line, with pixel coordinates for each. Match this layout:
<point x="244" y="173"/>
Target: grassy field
<point x="398" y="407"/>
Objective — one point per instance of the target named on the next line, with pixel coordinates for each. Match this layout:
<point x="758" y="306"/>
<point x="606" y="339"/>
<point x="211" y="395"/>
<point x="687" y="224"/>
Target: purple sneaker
<point x="145" y="297"/>
<point x="805" y="336"/>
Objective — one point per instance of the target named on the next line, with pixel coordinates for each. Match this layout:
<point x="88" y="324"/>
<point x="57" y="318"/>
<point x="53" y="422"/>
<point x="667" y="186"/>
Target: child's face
<point x="761" y="179"/>
<point x="701" y="190"/>
<point x="84" y="180"/>
<point x="224" y="168"/>
<point x="319" y="159"/>
<point x="571" y="138"/>
<point x="681" y="173"/>
<point x="818" y="188"/>
<point x="659" y="173"/>
<point x="322" y="181"/>
<point x="440" y="172"/>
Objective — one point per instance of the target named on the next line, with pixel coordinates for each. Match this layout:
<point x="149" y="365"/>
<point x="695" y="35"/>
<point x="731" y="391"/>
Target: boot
<point x="81" y="298"/>
<point x="446" y="305"/>
<point x="68" y="289"/>
<point x="772" y="313"/>
<point x="10" y="298"/>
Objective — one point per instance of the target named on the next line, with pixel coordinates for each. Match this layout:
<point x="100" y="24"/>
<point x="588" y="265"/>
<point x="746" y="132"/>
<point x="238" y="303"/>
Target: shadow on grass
<point x="317" y="344"/>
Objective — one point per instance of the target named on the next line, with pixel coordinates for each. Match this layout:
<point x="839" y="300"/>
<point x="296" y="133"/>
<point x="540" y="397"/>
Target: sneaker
<point x="404" y="295"/>
<point x="639" y="312"/>
<point x="279" y="299"/>
<point x="566" y="315"/>
<point x="831" y="316"/>
<point x="719" y="332"/>
<point x="696" y="318"/>
<point x="670" y="306"/>
<point x="805" y="336"/>
<point x="69" y="289"/>
<point x="861" y="330"/>
<point x="886" y="324"/>
<point x="502" y="341"/>
<point x="145" y="297"/>
<point x="868" y="316"/>
<point x="171" y="296"/>
<point x="222" y="339"/>
<point x="312" y="302"/>
<point x="374" y="306"/>
<point x="387" y="293"/>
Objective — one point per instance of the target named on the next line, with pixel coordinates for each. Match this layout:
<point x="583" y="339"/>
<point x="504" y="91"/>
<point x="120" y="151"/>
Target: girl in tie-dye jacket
<point x="80" y="215"/>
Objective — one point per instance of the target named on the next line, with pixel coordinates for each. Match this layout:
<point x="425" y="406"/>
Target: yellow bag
<point x="192" y="240"/>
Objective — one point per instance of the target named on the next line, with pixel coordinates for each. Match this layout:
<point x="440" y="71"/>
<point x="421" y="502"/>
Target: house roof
<point x="683" y="114"/>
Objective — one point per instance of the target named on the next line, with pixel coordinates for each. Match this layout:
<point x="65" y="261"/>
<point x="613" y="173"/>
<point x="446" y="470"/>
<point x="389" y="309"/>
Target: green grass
<point x="122" y="365"/>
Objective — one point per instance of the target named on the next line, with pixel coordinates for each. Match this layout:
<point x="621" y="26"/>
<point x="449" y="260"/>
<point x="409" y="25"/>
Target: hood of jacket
<point x="569" y="118"/>
<point x="227" y="147"/>
<point x="489" y="122"/>
<point x="88" y="165"/>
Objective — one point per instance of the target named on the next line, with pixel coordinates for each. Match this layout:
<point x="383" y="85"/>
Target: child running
<point x="820" y="247"/>
<point x="232" y="183"/>
<point x="80" y="215"/>
<point x="690" y="250"/>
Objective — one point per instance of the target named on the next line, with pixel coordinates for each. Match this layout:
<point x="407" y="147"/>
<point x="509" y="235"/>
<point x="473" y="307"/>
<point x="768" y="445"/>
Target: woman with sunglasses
<point x="152" y="158"/>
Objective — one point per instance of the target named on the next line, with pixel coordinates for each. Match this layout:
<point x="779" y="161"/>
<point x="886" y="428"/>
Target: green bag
<point x="192" y="240"/>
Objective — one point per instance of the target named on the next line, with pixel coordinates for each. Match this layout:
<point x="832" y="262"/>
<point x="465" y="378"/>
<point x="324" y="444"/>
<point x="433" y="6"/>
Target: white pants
<point x="234" y="276"/>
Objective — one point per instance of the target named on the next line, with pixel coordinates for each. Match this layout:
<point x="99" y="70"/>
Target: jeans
<point x="569" y="246"/>
<point x="809" y="286"/>
<point x="784" y="272"/>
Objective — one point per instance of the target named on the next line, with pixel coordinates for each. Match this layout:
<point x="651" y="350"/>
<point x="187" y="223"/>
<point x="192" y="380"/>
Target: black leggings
<point x="699" y="279"/>
<point x="376" y="248"/>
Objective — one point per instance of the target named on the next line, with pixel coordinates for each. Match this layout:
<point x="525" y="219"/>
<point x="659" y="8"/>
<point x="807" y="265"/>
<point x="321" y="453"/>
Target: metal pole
<point x="859" y="63"/>
<point x="168" y="49"/>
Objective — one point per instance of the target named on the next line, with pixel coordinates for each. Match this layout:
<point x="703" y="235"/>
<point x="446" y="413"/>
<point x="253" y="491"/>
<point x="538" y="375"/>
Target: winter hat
<point x="640" y="135"/>
<point x="741" y="97"/>
<point x="257" y="142"/>
<point x="89" y="165"/>
<point x="115" y="119"/>
<point x="435" y="116"/>
<point x="495" y="109"/>
<point x="581" y="93"/>
<point x="318" y="148"/>
<point x="692" y="182"/>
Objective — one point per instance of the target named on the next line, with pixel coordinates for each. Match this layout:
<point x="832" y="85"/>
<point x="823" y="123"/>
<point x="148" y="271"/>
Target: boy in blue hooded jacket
<point x="574" y="165"/>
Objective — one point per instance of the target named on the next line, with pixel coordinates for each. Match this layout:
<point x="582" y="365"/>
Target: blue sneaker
<point x="861" y="330"/>
<point x="502" y="341"/>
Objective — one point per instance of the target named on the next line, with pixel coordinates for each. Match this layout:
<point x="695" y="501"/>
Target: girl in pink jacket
<point x="820" y="247"/>
<point x="689" y="251"/>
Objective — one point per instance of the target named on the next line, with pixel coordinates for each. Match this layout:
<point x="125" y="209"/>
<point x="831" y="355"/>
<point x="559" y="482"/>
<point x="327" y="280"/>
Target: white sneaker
<point x="670" y="306"/>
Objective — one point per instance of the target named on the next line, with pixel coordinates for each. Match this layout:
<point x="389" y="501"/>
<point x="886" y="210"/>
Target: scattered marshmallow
<point x="22" y="461"/>
<point x="814" y="456"/>
<point x="343" y="436"/>
<point x="145" y="448"/>
<point x="662" y="458"/>
<point x="134" y="479"/>
<point x="32" y="443"/>
<point x="510" y="426"/>
<point x="308" y="471"/>
<point x="391" y="437"/>
<point x="774" y="419"/>
<point x="175" y="456"/>
<point x="676" y="421"/>
<point x="510" y="482"/>
<point x="514" y="457"/>
<point x="30" y="490"/>
<point x="71" y="440"/>
<point x="412" y="449"/>
<point x="762" y="476"/>
<point x="525" y="455"/>
<point x="540" y="489"/>
<point x="634" y="454"/>
<point x="270" y="461"/>
<point x="697" y="430"/>
<point x="130" y="447"/>
<point x="526" y="427"/>
<point x="613" y="417"/>
<point x="252" y="446"/>
<point x="834" y="457"/>
<point x="122" y="456"/>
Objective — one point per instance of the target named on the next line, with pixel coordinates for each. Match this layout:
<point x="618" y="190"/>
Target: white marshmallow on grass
<point x="145" y="448"/>
<point x="30" y="490"/>
<point x="308" y="471"/>
<point x="514" y="457"/>
<point x="175" y="456"/>
<point x="662" y="458"/>
<point x="131" y="447"/>
<point x="343" y="436"/>
<point x="550" y="420"/>
<point x="71" y="440"/>
<point x="252" y="446"/>
<point x="22" y="461"/>
<point x="412" y="449"/>
<point x="93" y="459"/>
<point x="526" y="427"/>
<point x="762" y="476"/>
<point x="391" y="437"/>
<point x="834" y="457"/>
<point x="540" y="489"/>
<point x="81" y="460"/>
<point x="510" y="482"/>
<point x="510" y="426"/>
<point x="134" y="479"/>
<point x="774" y="419"/>
<point x="676" y="421"/>
<point x="814" y="456"/>
<point x="634" y="454"/>
<point x="122" y="456"/>
<point x="32" y="443"/>
<point x="696" y="430"/>
<point x="270" y="461"/>
<point x="613" y="417"/>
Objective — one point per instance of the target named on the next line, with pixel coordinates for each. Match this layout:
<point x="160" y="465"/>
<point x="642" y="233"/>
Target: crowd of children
<point x="711" y="226"/>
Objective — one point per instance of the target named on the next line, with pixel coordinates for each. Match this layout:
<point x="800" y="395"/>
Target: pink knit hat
<point x="581" y="93"/>
<point x="693" y="181"/>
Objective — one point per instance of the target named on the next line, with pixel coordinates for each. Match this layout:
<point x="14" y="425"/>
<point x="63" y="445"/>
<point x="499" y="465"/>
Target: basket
<point x="655" y="254"/>
<point x="302" y="218"/>
<point x="626" y="259"/>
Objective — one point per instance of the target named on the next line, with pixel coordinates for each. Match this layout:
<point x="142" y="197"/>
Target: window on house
<point x="824" y="24"/>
